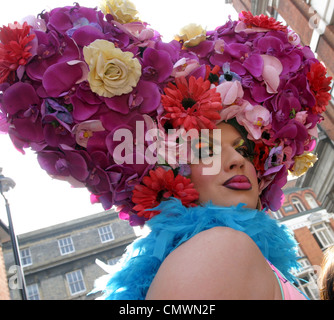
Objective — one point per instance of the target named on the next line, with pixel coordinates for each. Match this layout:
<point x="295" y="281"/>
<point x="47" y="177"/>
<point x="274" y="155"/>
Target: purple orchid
<point x="157" y="65"/>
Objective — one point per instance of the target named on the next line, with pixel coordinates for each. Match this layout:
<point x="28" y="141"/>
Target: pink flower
<point x="84" y="130"/>
<point x="272" y="68"/>
<point x="230" y="91"/>
<point x="253" y="118"/>
<point x="184" y="67"/>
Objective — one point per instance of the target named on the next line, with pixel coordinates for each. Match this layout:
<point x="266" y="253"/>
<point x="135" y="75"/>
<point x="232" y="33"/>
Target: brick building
<point x="4" y="237"/>
<point x="313" y="229"/>
<point x="59" y="261"/>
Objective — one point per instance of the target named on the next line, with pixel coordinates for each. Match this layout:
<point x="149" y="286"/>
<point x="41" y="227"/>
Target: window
<point x="299" y="206"/>
<point x="307" y="284"/>
<point x="277" y="214"/>
<point x="323" y="234"/>
<point x="311" y="201"/>
<point x="33" y="292"/>
<point x="66" y="246"/>
<point x="26" y="259"/>
<point x="75" y="282"/>
<point x="106" y="234"/>
<point x="288" y="208"/>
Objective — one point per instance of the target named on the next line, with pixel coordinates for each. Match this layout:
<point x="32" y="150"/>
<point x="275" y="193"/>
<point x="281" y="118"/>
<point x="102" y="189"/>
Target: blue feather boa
<point x="175" y="225"/>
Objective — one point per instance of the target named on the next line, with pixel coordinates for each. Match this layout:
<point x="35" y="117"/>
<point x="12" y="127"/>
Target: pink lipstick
<point x="238" y="182"/>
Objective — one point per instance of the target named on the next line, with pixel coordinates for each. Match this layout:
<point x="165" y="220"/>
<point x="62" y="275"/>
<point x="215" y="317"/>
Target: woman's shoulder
<point x="219" y="263"/>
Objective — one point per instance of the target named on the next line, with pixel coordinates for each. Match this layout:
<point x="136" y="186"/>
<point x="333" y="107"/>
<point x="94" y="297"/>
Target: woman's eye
<point x="243" y="150"/>
<point x="203" y="149"/>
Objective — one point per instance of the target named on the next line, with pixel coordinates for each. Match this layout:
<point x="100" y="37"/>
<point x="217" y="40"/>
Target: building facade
<point x="4" y="237"/>
<point x="59" y="261"/>
<point x="313" y="228"/>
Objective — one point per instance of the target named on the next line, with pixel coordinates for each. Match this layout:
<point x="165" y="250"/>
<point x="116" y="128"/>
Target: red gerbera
<point x="193" y="104"/>
<point x="261" y="21"/>
<point x="14" y="48"/>
<point x="159" y="185"/>
<point x="319" y="85"/>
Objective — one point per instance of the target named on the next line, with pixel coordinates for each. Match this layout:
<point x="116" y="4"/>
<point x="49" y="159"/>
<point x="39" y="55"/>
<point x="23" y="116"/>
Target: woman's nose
<point x="232" y="159"/>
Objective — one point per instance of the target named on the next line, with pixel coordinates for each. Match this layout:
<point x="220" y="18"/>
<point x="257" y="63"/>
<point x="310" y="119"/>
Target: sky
<point x="37" y="200"/>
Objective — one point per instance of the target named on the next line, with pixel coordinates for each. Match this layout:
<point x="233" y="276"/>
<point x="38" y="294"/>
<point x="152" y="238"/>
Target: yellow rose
<point x="112" y="72"/>
<point x="191" y="35"/>
<point x="123" y="11"/>
<point x="303" y="163"/>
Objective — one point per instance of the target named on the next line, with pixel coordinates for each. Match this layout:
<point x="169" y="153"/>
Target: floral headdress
<point x="74" y="78"/>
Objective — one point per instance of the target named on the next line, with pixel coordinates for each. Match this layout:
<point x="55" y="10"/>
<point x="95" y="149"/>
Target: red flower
<point x="261" y="21"/>
<point x="319" y="85"/>
<point x="261" y="152"/>
<point x="159" y="185"/>
<point x="14" y="48"/>
<point x="193" y="104"/>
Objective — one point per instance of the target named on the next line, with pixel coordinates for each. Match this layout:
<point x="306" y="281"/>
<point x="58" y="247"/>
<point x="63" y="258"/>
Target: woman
<point x="229" y="264"/>
<point x="108" y="106"/>
<point x="207" y="246"/>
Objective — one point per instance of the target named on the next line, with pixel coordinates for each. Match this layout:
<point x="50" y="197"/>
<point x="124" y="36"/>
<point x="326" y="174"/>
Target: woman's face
<point x="236" y="181"/>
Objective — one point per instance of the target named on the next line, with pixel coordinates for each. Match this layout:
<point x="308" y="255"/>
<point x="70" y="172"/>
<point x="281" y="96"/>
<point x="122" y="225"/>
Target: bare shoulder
<point x="219" y="263"/>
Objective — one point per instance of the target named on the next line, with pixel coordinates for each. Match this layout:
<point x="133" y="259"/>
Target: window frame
<point x="25" y="254"/>
<point x="323" y="234"/>
<point x="73" y="283"/>
<point x="66" y="248"/>
<point x="33" y="292"/>
<point x="105" y="235"/>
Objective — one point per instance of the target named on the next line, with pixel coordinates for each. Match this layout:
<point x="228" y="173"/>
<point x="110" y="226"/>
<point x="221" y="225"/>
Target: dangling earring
<point x="259" y="204"/>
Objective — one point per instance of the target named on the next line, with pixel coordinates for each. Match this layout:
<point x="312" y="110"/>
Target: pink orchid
<point x="230" y="91"/>
<point x="272" y="68"/>
<point x="219" y="46"/>
<point x="253" y="119"/>
<point x="293" y="38"/>
<point x="230" y="112"/>
<point x="184" y="67"/>
<point x="84" y="131"/>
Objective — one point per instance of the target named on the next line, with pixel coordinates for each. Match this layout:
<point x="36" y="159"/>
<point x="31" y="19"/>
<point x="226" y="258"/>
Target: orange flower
<point x="192" y="105"/>
<point x="319" y="85"/>
<point x="14" y="48"/>
<point x="160" y="185"/>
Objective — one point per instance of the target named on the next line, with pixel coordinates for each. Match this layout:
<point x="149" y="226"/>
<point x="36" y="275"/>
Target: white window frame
<point x="298" y="205"/>
<point x="311" y="201"/>
<point x="106" y="234"/>
<point x="33" y="292"/>
<point x="306" y="283"/>
<point x="66" y="245"/>
<point x="277" y="214"/>
<point x="26" y="259"/>
<point x="75" y="282"/>
<point x="323" y="234"/>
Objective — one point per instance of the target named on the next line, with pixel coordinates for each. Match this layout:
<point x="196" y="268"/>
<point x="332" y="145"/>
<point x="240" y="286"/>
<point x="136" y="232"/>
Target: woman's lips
<point x="238" y="183"/>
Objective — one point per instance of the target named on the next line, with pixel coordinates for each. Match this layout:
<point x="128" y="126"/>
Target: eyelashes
<point x="243" y="149"/>
<point x="204" y="148"/>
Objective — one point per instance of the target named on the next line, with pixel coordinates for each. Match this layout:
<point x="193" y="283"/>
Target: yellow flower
<point x="123" y="11"/>
<point x="112" y="72"/>
<point x="303" y="163"/>
<point x="191" y="35"/>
